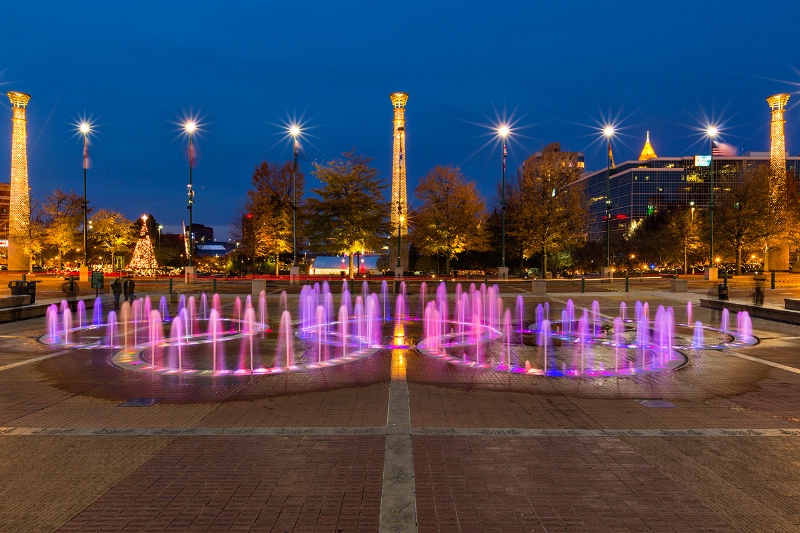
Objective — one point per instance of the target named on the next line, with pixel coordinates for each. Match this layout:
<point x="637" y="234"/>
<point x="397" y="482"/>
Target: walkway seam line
<point x="32" y="360"/>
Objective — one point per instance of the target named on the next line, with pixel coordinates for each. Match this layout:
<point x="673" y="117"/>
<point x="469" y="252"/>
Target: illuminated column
<point x="777" y="151"/>
<point x="399" y="203"/>
<point x="777" y="256"/>
<point x="20" y="208"/>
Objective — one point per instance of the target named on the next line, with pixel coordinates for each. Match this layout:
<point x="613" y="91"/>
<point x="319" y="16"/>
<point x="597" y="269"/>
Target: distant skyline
<point x="247" y="69"/>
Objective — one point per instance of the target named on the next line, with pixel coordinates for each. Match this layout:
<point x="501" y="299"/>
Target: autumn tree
<point x="793" y="214"/>
<point x="745" y="217"/>
<point x="269" y="210"/>
<point x="547" y="212"/>
<point x="669" y="236"/>
<point x="112" y="233"/>
<point x="62" y="216"/>
<point x="685" y="231"/>
<point x="449" y="219"/>
<point x="349" y="214"/>
<point x="32" y="238"/>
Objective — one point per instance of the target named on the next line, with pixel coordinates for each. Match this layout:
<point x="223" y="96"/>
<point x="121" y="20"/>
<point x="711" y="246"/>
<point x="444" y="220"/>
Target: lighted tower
<point x="20" y="202"/>
<point x="399" y="203"/>
<point x="777" y="257"/>
<point x="777" y="151"/>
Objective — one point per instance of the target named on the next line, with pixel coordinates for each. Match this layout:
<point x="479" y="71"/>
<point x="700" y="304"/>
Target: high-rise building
<point x="550" y="151"/>
<point x="20" y="203"/>
<point x="399" y="200"/>
<point x="640" y="188"/>
<point x="5" y="205"/>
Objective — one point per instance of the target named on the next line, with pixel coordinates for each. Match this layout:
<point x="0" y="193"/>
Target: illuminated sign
<point x="3" y="243"/>
<point x="702" y="160"/>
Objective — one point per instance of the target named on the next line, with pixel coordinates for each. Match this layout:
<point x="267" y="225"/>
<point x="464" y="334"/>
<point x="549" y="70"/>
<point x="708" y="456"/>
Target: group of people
<point x="125" y="288"/>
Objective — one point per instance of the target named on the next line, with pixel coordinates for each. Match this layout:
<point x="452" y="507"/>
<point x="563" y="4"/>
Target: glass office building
<point x="640" y="188"/>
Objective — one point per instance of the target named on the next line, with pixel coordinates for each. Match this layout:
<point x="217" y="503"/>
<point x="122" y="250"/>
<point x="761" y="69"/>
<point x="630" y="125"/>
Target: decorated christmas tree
<point x="144" y="261"/>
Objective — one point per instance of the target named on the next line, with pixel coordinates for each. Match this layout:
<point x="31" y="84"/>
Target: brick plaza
<point x="401" y="442"/>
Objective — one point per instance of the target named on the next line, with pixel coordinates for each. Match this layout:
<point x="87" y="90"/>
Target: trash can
<point x="722" y="291"/>
<point x="18" y="288"/>
<point x="23" y="288"/>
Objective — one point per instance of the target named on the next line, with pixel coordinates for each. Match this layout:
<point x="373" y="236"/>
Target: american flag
<point x="723" y="150"/>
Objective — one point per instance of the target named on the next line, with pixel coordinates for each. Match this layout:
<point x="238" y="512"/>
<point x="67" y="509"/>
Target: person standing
<point x="116" y="288"/>
<point x="131" y="288"/>
<point x="125" y="289"/>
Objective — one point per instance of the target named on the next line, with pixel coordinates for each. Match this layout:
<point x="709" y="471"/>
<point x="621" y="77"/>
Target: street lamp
<point x="294" y="131"/>
<point x="85" y="129"/>
<point x="503" y="131"/>
<point x="711" y="131"/>
<point x="608" y="132"/>
<point x="190" y="127"/>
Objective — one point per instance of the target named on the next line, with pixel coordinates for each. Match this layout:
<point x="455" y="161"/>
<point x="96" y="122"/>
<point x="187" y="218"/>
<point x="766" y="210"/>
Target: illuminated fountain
<point x="484" y="335"/>
<point x="472" y="327"/>
<point x="203" y="341"/>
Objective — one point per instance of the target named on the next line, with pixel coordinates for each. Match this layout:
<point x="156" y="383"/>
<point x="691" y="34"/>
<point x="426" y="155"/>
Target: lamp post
<point x="85" y="128"/>
<point x="294" y="131"/>
<point x="503" y="132"/>
<point x="711" y="132"/>
<point x="608" y="132"/>
<point x="190" y="128"/>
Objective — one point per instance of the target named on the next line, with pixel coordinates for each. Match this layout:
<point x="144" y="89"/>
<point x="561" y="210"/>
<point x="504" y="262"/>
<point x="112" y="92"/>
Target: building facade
<point x="641" y="188"/>
<point x="552" y="151"/>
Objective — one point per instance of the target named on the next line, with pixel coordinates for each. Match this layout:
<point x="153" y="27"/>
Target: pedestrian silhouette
<point x="116" y="288"/>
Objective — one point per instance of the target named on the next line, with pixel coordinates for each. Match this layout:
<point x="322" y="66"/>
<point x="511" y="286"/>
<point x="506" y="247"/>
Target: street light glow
<point x="190" y="127"/>
<point x="712" y="131"/>
<point x="608" y="131"/>
<point x="85" y="128"/>
<point x="294" y="131"/>
<point x="503" y="131"/>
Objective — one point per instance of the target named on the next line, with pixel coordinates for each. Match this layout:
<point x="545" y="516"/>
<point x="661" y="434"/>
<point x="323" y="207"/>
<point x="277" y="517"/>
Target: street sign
<point x="97" y="279"/>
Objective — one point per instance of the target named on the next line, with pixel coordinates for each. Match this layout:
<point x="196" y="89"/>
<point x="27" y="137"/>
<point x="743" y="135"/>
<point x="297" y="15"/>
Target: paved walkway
<point x="401" y="442"/>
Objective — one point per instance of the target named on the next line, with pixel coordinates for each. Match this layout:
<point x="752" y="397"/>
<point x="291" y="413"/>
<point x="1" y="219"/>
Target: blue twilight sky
<point x="557" y="70"/>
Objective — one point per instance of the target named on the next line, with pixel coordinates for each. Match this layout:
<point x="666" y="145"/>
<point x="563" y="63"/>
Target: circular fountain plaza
<point x="473" y="326"/>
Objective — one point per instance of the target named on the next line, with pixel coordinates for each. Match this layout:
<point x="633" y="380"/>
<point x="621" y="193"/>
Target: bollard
<point x="170" y="285"/>
<point x="772" y="281"/>
<point x="583" y="284"/>
<point x="215" y="285"/>
<point x="627" y="283"/>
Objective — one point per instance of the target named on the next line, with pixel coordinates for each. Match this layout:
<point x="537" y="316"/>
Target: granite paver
<point x="613" y="464"/>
